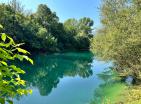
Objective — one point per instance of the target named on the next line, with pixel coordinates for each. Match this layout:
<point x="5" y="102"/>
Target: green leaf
<point x="31" y="61"/>
<point x="3" y="37"/>
<point x="18" y="70"/>
<point x="28" y="59"/>
<point x="22" y="50"/>
<point x="1" y="26"/>
<point x="20" y="57"/>
<point x="4" y="63"/>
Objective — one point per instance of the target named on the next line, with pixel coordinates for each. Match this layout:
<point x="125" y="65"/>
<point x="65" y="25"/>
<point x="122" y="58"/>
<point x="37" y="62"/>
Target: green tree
<point x="85" y="27"/>
<point x="119" y="40"/>
<point x="80" y="32"/>
<point x="45" y="16"/>
<point x="48" y="41"/>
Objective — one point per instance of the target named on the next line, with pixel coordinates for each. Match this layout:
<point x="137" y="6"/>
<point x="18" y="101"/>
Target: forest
<point x="42" y="32"/>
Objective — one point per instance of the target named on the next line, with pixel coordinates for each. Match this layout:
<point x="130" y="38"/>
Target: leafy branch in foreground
<point x="11" y="83"/>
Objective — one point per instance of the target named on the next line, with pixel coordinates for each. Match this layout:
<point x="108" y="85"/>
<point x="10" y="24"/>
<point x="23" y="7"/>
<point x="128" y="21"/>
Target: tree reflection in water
<point x="49" y="69"/>
<point x="109" y="90"/>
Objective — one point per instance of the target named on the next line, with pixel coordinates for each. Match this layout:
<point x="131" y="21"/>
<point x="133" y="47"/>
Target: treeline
<point x="119" y="40"/>
<point x="42" y="31"/>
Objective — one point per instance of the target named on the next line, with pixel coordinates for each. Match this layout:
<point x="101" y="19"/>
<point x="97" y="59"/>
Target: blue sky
<point x="68" y="8"/>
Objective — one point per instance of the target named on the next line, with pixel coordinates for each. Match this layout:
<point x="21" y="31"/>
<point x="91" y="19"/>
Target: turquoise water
<point x="69" y="78"/>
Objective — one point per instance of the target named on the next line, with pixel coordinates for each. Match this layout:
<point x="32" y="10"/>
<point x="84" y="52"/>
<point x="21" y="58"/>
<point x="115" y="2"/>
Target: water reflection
<point x="49" y="69"/>
<point x="108" y="76"/>
<point x="109" y="90"/>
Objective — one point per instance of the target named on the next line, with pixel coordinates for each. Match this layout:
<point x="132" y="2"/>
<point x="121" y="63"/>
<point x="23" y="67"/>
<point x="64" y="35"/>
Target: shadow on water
<point x="49" y="69"/>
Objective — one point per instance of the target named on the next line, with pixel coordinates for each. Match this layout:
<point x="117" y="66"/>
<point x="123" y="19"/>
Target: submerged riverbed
<point x="69" y="78"/>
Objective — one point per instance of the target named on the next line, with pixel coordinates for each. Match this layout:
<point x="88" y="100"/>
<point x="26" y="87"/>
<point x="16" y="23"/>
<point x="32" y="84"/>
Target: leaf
<point x="31" y="61"/>
<point x="22" y="50"/>
<point x="1" y="26"/>
<point x="30" y="91"/>
<point x="20" y="57"/>
<point x="28" y="59"/>
<point x="3" y="37"/>
<point x="18" y="70"/>
<point x="11" y="40"/>
<point x="4" y="63"/>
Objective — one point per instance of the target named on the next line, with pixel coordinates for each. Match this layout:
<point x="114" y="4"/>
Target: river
<point x="69" y="78"/>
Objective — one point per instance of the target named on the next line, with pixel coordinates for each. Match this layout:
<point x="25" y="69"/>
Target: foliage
<point x="42" y="31"/>
<point x="119" y="40"/>
<point x="11" y="83"/>
<point x="49" y="42"/>
<point x="80" y="32"/>
<point x="131" y="95"/>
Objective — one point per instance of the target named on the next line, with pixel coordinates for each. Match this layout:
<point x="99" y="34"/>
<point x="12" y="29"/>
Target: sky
<point x="66" y="9"/>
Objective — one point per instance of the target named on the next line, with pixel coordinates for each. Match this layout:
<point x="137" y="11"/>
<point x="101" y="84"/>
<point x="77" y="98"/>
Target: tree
<point x="85" y="27"/>
<point x="16" y="6"/>
<point x="70" y="25"/>
<point x="45" y="16"/>
<point x="119" y="40"/>
<point x="80" y="32"/>
<point x="48" y="41"/>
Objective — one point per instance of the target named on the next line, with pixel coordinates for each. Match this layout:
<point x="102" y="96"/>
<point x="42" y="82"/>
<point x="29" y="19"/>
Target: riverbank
<point x="131" y="95"/>
<point x="118" y="94"/>
<point x="116" y="91"/>
<point x="109" y="94"/>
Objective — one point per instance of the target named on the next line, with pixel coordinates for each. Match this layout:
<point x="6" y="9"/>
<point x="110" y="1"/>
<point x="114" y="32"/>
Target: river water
<point x="68" y="78"/>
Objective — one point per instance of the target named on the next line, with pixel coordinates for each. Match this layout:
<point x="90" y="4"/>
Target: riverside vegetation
<point x="117" y="41"/>
<point x="41" y="31"/>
